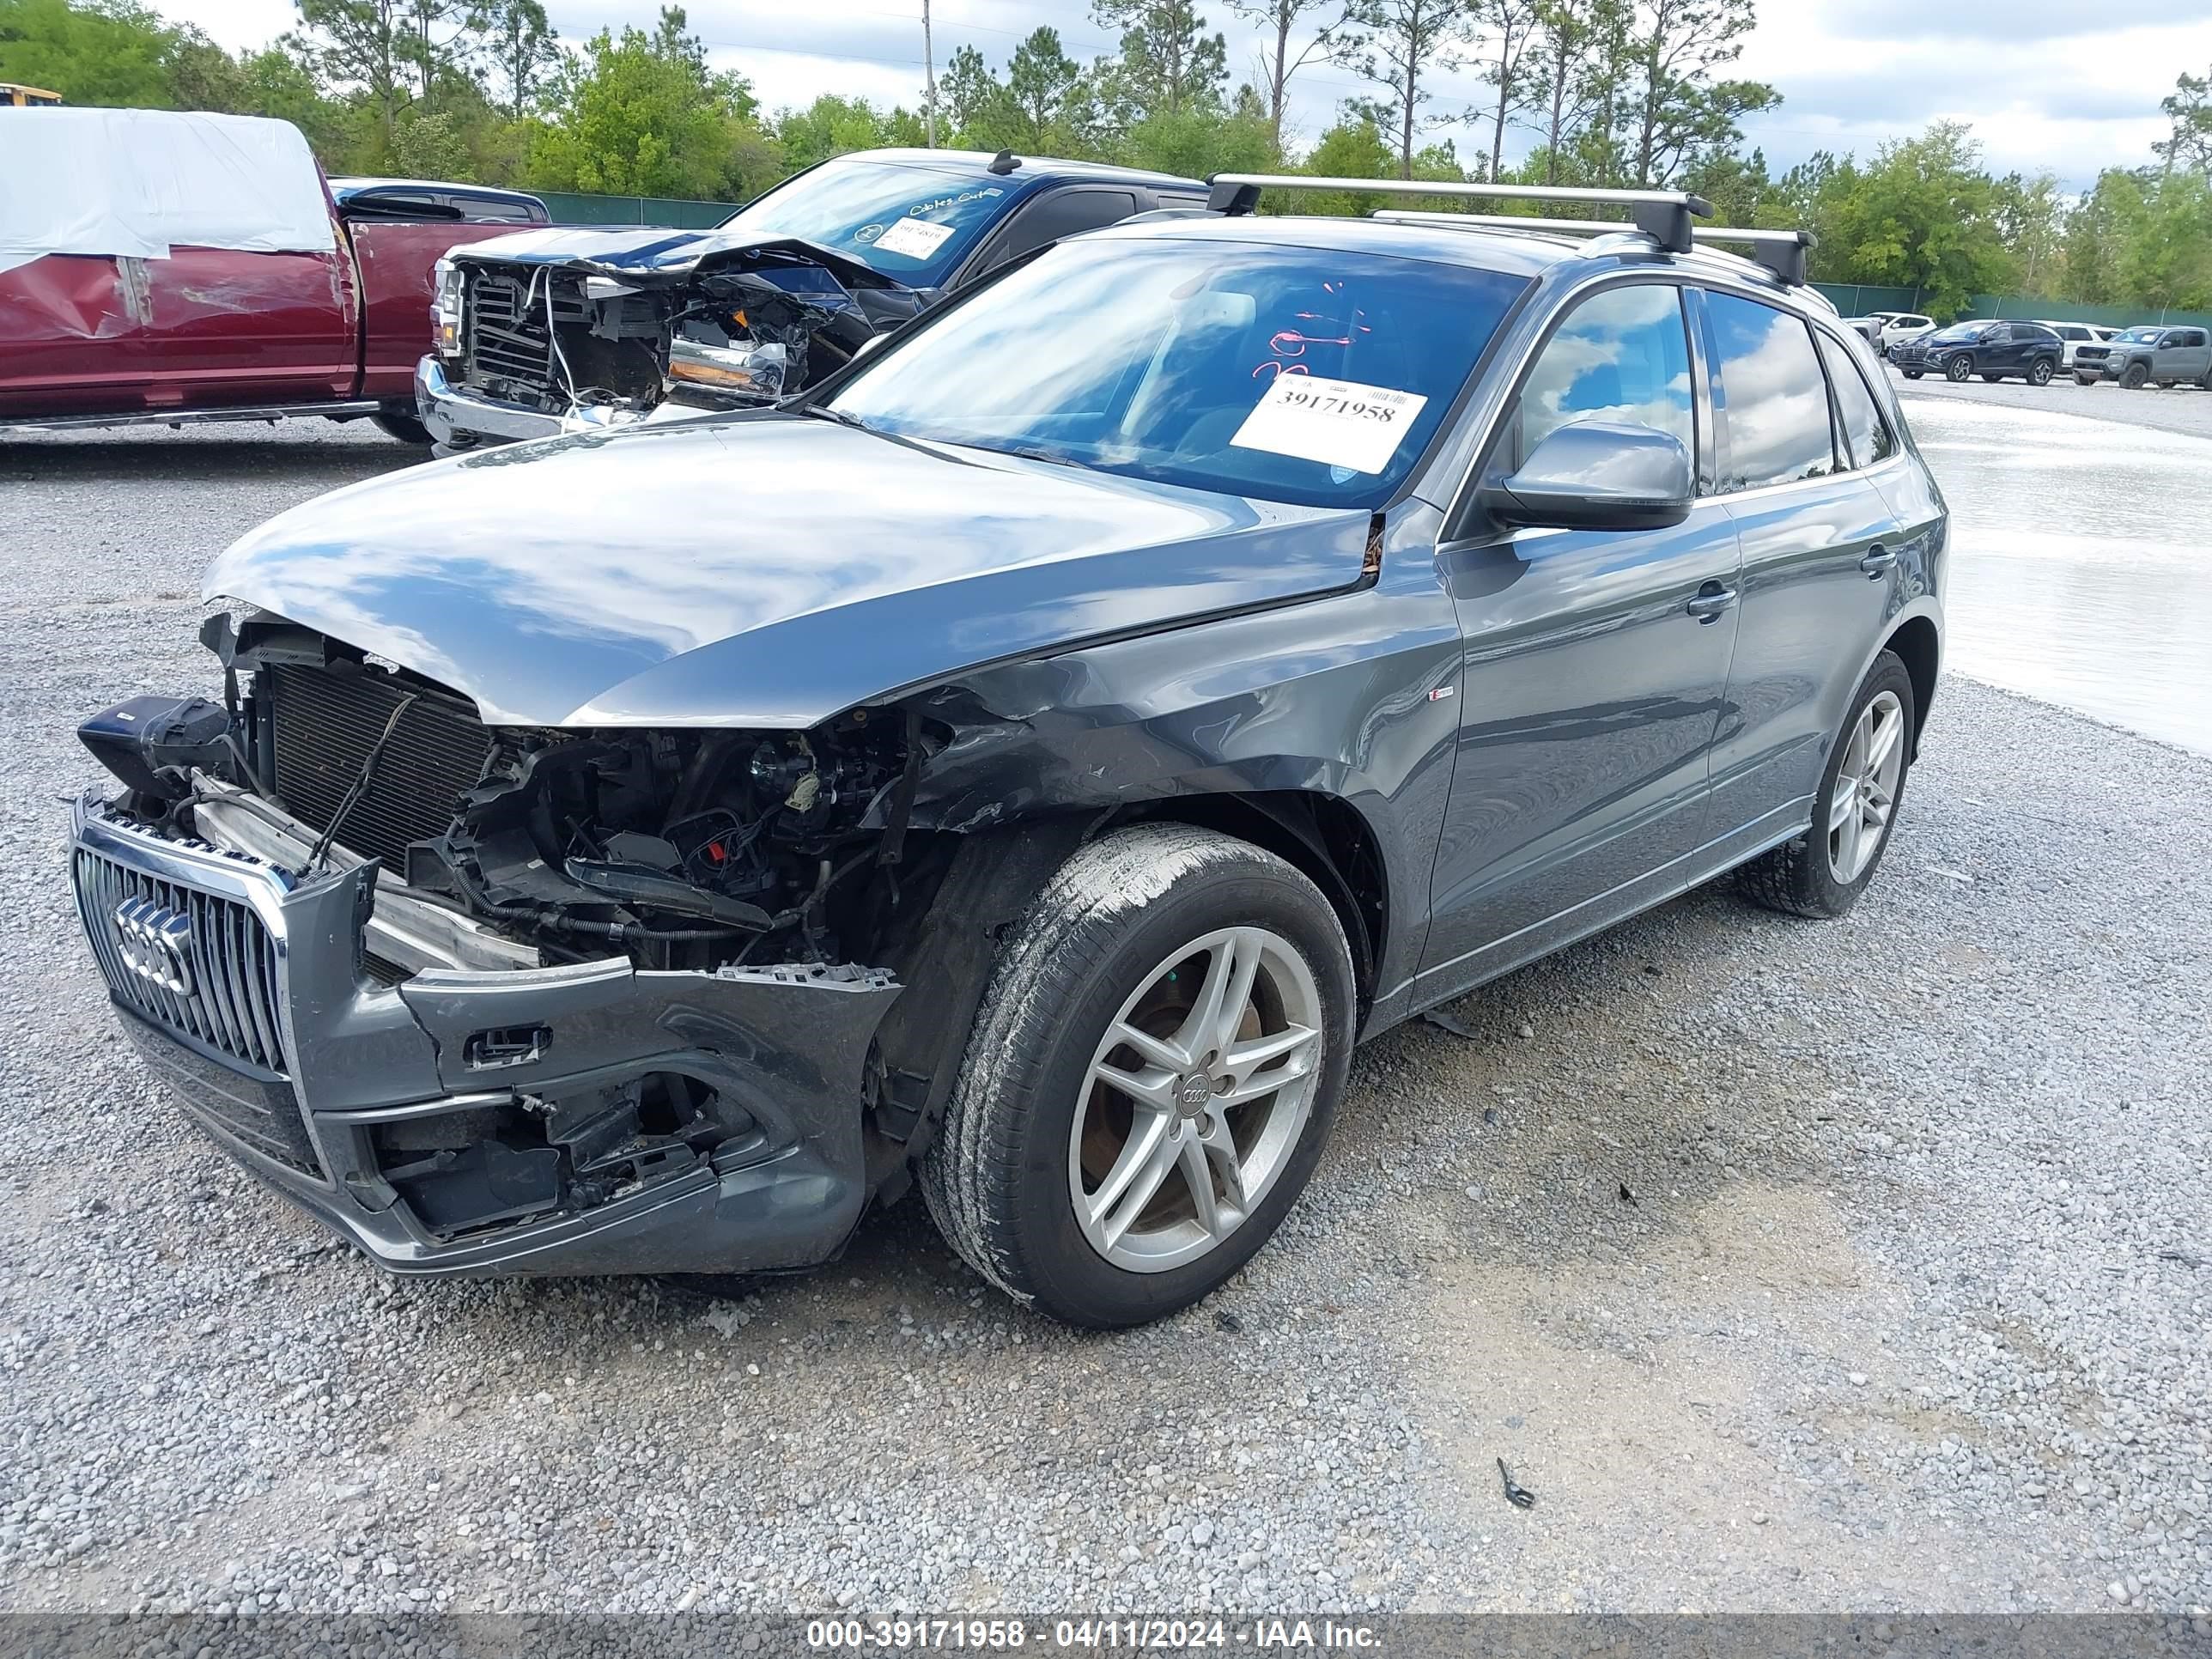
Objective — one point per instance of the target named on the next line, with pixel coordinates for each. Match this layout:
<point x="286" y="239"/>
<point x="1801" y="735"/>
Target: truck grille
<point x="505" y="345"/>
<point x="325" y="722"/>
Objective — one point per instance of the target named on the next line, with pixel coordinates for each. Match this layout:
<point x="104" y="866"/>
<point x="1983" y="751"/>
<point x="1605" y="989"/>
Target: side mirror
<point x="1596" y="475"/>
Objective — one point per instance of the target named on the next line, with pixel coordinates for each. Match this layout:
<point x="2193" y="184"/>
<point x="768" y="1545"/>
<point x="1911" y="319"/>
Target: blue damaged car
<point x="1023" y="766"/>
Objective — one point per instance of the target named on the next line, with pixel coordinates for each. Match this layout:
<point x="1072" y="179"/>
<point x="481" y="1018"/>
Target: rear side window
<point x="496" y="209"/>
<point x="1866" y="436"/>
<point x="2193" y="336"/>
<point x="1622" y="355"/>
<point x="1775" y="394"/>
<point x="1066" y="213"/>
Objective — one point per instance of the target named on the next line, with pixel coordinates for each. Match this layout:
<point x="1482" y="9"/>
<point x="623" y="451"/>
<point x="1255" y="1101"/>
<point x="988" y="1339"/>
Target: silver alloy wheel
<point x="1865" y="788"/>
<point x="1196" y="1099"/>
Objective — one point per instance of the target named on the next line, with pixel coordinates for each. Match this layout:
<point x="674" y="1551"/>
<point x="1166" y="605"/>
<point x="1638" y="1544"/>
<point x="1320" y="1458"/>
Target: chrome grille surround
<point x="191" y="940"/>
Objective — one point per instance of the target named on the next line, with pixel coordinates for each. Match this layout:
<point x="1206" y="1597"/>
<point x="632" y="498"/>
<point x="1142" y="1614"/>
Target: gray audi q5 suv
<point x="1021" y="766"/>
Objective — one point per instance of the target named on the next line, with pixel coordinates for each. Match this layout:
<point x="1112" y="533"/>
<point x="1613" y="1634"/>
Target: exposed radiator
<point x="325" y="722"/>
<point x="505" y="344"/>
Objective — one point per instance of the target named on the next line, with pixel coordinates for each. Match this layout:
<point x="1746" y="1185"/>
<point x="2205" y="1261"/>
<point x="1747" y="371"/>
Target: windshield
<point x="2140" y="336"/>
<point x="1293" y="374"/>
<point x="913" y="224"/>
<point x="1961" y="331"/>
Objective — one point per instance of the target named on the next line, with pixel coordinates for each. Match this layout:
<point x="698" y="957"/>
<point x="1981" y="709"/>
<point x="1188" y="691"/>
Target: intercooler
<point x="324" y="722"/>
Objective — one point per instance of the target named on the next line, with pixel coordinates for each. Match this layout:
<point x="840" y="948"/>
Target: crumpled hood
<point x="650" y="254"/>
<point x="762" y="569"/>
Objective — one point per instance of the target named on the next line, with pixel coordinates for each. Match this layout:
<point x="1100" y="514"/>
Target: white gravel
<point x="1863" y="1264"/>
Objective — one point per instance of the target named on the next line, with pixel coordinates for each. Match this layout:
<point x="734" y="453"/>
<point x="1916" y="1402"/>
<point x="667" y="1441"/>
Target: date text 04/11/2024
<point x="1146" y="1634"/>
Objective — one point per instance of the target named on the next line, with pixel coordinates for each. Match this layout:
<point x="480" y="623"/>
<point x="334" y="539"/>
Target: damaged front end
<point x="504" y="1000"/>
<point x="551" y="345"/>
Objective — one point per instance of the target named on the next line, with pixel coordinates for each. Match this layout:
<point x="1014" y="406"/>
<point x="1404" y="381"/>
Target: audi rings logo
<point x="157" y="944"/>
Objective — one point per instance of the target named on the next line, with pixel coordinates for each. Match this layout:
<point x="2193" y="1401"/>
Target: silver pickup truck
<point x="2163" y="357"/>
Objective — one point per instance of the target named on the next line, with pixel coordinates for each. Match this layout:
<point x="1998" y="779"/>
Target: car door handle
<point x="1710" y="601"/>
<point x="1878" y="560"/>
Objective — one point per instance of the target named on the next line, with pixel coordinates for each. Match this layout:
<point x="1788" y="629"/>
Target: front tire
<point x="1821" y="872"/>
<point x="1914" y="373"/>
<point x="1958" y="368"/>
<point x="1150" y="1077"/>
<point x="397" y="423"/>
<point x="2086" y="380"/>
<point x="2133" y="376"/>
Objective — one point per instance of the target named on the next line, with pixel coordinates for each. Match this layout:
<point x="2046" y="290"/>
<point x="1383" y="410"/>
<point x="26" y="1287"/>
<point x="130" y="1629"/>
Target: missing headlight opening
<point x="693" y="849"/>
<point x="568" y="342"/>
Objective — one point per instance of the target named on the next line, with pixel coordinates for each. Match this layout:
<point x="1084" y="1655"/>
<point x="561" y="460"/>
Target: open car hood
<point x="759" y="570"/>
<point x="651" y="256"/>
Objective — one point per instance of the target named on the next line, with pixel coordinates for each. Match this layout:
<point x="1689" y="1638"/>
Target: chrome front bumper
<point x="244" y="986"/>
<point x="461" y="420"/>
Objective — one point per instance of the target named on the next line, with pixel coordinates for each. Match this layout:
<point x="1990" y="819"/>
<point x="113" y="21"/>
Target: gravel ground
<point x="1857" y="1266"/>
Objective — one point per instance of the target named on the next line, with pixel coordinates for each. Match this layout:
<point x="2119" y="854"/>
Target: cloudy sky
<point x="2065" y="85"/>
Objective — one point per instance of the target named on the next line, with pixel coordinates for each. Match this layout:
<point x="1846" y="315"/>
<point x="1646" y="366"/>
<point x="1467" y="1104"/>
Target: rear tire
<point x="1913" y="374"/>
<point x="1993" y="378"/>
<point x="1958" y="368"/>
<point x="2039" y="372"/>
<point x="397" y="423"/>
<point x="1129" y="937"/>
<point x="1822" y="874"/>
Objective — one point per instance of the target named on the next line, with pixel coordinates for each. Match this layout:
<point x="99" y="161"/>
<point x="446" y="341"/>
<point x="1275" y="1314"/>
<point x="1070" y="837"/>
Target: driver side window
<point x="1620" y="356"/>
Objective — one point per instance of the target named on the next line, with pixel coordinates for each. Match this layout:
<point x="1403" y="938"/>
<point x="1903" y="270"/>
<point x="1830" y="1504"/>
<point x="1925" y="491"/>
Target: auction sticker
<point x="917" y="238"/>
<point x="1335" y="423"/>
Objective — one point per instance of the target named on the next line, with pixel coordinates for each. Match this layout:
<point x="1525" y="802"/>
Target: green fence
<point x="1857" y="299"/>
<point x="569" y="207"/>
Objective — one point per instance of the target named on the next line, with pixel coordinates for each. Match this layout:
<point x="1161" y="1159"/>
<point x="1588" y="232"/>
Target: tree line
<point x="1633" y="93"/>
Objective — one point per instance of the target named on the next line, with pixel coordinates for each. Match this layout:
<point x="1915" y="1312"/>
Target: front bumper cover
<point x="788" y="1045"/>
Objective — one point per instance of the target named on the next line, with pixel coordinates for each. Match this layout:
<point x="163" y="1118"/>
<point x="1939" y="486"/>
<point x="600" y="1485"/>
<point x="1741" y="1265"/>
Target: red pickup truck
<point x="165" y="267"/>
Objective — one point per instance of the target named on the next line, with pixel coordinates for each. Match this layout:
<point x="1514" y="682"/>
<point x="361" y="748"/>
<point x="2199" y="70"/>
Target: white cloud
<point x="2045" y="83"/>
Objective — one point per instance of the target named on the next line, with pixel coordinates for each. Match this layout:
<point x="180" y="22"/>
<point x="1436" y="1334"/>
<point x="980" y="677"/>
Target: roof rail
<point x="1661" y="214"/>
<point x="1782" y="253"/>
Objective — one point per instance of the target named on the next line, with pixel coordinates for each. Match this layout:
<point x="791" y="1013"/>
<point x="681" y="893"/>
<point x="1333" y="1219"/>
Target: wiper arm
<point x="1051" y="457"/>
<point x="825" y="412"/>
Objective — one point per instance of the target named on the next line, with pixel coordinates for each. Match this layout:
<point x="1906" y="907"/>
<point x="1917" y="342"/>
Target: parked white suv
<point x="2075" y="336"/>
<point x="1884" y="329"/>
